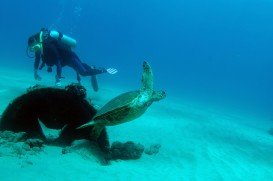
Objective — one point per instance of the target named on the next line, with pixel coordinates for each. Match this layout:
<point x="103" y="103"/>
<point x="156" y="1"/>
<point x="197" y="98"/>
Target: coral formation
<point x="57" y="108"/>
<point x="126" y="151"/>
<point x="17" y="144"/>
<point x="153" y="149"/>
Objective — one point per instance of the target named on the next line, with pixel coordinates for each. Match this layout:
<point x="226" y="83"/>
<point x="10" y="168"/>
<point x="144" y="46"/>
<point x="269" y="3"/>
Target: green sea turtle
<point x="127" y="106"/>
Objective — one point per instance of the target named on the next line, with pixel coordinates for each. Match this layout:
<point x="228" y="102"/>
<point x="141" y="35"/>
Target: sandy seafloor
<point x="197" y="142"/>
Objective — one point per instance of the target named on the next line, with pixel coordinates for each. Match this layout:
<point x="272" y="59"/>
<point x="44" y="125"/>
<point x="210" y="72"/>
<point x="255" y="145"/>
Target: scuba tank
<point x="63" y="38"/>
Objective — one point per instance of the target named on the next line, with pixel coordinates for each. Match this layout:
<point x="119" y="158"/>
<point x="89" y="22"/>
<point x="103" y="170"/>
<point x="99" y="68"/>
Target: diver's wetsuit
<point x="56" y="53"/>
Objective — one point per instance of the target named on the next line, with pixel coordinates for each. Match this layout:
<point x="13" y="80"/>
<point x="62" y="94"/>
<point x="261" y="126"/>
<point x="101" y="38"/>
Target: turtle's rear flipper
<point x="94" y="83"/>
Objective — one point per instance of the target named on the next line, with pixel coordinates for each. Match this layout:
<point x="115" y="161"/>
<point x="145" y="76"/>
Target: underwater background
<point x="217" y="50"/>
<point x="213" y="58"/>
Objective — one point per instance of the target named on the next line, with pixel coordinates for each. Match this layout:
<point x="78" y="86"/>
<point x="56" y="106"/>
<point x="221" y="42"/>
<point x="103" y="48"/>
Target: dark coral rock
<point x="153" y="149"/>
<point x="56" y="108"/>
<point x="126" y="151"/>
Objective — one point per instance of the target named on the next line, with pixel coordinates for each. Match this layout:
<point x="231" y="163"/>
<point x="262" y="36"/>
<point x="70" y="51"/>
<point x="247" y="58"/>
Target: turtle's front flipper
<point x="147" y="79"/>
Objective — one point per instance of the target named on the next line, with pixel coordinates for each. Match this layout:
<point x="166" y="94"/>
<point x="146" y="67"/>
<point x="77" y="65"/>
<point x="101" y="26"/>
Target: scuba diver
<point x="55" y="49"/>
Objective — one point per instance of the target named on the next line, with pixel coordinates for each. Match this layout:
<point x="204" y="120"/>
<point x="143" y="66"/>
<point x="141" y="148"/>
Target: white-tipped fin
<point x="91" y="123"/>
<point x="50" y="134"/>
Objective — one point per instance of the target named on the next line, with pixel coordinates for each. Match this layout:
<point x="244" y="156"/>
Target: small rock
<point x="66" y="150"/>
<point x="6" y="135"/>
<point x="35" y="143"/>
<point x="26" y="163"/>
<point x="153" y="149"/>
<point x="18" y="150"/>
<point x="26" y="147"/>
<point x="10" y="136"/>
<point x="126" y="151"/>
<point x="36" y="149"/>
<point x="21" y="136"/>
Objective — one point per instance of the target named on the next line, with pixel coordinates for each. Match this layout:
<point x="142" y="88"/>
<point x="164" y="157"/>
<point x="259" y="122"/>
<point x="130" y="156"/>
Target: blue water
<point x="216" y="50"/>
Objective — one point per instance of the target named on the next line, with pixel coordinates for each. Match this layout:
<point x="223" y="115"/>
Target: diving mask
<point x="36" y="47"/>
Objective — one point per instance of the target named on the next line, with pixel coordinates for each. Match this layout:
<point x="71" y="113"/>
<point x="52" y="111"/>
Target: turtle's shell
<point x="121" y="109"/>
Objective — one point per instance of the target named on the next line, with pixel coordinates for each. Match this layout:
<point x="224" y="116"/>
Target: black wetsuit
<point x="56" y="53"/>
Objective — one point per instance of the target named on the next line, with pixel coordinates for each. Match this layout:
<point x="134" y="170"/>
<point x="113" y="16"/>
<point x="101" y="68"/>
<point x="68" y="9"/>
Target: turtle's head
<point x="158" y="95"/>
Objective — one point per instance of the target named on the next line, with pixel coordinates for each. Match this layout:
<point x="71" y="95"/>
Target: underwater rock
<point x="66" y="150"/>
<point x="126" y="151"/>
<point x="16" y="144"/>
<point x="57" y="108"/>
<point x="153" y="149"/>
<point x="35" y="143"/>
<point x="10" y="136"/>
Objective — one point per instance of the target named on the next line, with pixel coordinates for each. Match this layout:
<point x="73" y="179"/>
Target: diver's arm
<point x="57" y="60"/>
<point x="36" y="65"/>
<point x="37" y="60"/>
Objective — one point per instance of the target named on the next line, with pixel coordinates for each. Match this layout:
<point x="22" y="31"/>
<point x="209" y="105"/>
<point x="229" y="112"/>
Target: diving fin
<point x="94" y="83"/>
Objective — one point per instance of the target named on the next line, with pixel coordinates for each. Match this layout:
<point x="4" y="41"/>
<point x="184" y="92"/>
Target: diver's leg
<point x="86" y="70"/>
<point x="77" y="65"/>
